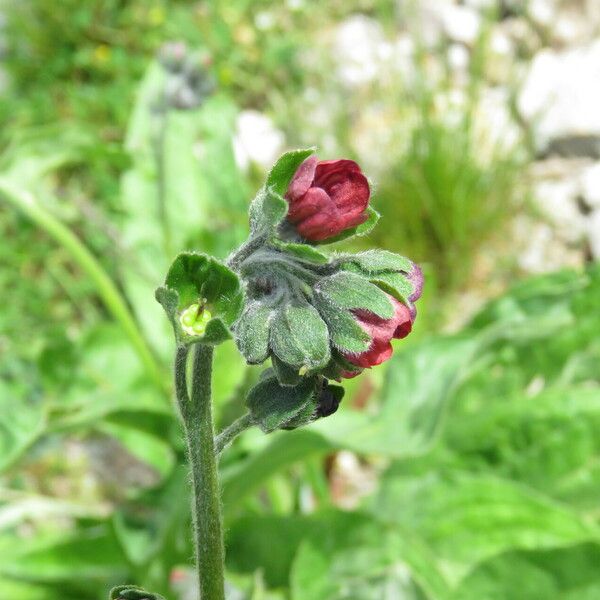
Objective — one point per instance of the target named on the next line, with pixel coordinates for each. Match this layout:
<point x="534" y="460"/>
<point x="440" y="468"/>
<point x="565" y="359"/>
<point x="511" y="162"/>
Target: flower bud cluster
<point x="316" y="315"/>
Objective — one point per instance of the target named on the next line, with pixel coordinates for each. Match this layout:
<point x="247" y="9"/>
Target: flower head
<point x="327" y="197"/>
<point x="381" y="332"/>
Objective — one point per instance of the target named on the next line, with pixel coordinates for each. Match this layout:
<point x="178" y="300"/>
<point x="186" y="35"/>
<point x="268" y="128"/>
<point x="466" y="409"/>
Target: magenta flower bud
<point x="381" y="332"/>
<point x="327" y="197"/>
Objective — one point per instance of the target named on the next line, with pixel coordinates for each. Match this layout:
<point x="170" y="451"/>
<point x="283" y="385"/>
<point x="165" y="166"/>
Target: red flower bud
<point x="381" y="331"/>
<point x="326" y="197"/>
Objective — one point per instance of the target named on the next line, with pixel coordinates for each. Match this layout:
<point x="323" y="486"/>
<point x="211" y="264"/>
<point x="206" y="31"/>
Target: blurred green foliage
<point x="482" y="446"/>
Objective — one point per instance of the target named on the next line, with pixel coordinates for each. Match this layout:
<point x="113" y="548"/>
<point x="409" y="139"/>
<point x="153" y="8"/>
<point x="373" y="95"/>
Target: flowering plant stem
<point x="196" y="414"/>
<point x="230" y="433"/>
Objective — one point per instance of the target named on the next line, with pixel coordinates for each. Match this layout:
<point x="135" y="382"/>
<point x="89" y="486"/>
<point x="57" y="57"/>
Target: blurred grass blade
<point x="112" y="298"/>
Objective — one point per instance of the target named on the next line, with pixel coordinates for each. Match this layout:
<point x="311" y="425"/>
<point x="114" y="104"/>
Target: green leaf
<point x="89" y="557"/>
<point x="169" y="300"/>
<point x="330" y="554"/>
<point x="156" y="523"/>
<point x="267" y="210"/>
<point x="299" y="337"/>
<point x="270" y="542"/>
<point x="420" y="382"/>
<point x="128" y="592"/>
<point x="285" y="449"/>
<point x="377" y="261"/>
<point x="542" y="440"/>
<point x="205" y="196"/>
<point x="269" y="207"/>
<point x="273" y="406"/>
<point x="285" y="374"/>
<point x="302" y="252"/>
<point x="22" y="422"/>
<point x="375" y="561"/>
<point x="195" y="276"/>
<point x="107" y="382"/>
<point x="199" y="280"/>
<point x="252" y="332"/>
<point x="360" y="230"/>
<point x="468" y="519"/>
<point x="28" y="591"/>
<point x="151" y="449"/>
<point x="562" y="574"/>
<point x="351" y="291"/>
<point x="284" y="169"/>
<point x="345" y="333"/>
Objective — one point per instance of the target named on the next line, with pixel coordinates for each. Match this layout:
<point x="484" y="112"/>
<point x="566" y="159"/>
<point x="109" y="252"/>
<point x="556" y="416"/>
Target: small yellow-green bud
<point x="194" y="319"/>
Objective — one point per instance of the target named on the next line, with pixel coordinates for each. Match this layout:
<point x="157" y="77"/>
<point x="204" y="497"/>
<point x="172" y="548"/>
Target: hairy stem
<point x="230" y="433"/>
<point x="244" y="251"/>
<point x="196" y="413"/>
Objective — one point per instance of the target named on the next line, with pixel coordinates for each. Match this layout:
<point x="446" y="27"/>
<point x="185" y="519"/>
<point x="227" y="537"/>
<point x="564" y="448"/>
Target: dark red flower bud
<point x="381" y="331"/>
<point x="326" y="197"/>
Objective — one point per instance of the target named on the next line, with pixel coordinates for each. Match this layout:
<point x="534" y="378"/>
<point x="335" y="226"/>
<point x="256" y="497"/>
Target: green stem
<point x="245" y="250"/>
<point x="230" y="433"/>
<point x="196" y="413"/>
<point x="159" y="141"/>
<point x="112" y="298"/>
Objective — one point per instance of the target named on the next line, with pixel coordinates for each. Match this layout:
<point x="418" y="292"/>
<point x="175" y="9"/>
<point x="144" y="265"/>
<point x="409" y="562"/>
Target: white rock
<point x="482" y="5"/>
<point x="494" y="128"/>
<point x="542" y="12"/>
<point x="403" y="58"/>
<point x="557" y="200"/>
<point x="499" y="66"/>
<point x="424" y="19"/>
<point x="566" y="22"/>
<point x="461" y="23"/>
<point x="593" y="232"/>
<point x="256" y="140"/>
<point x="556" y="190"/>
<point x="458" y="58"/>
<point x="500" y="43"/>
<point x="538" y="249"/>
<point x="571" y="27"/>
<point x="521" y="34"/>
<point x="561" y="94"/>
<point x="590" y="186"/>
<point x="360" y="49"/>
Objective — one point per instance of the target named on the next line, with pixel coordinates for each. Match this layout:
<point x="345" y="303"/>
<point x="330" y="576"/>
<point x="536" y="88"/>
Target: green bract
<point x="352" y="291"/>
<point x="299" y="337"/>
<point x="385" y="269"/>
<point x="269" y="207"/>
<point x="274" y="406"/>
<point x="202" y="299"/>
